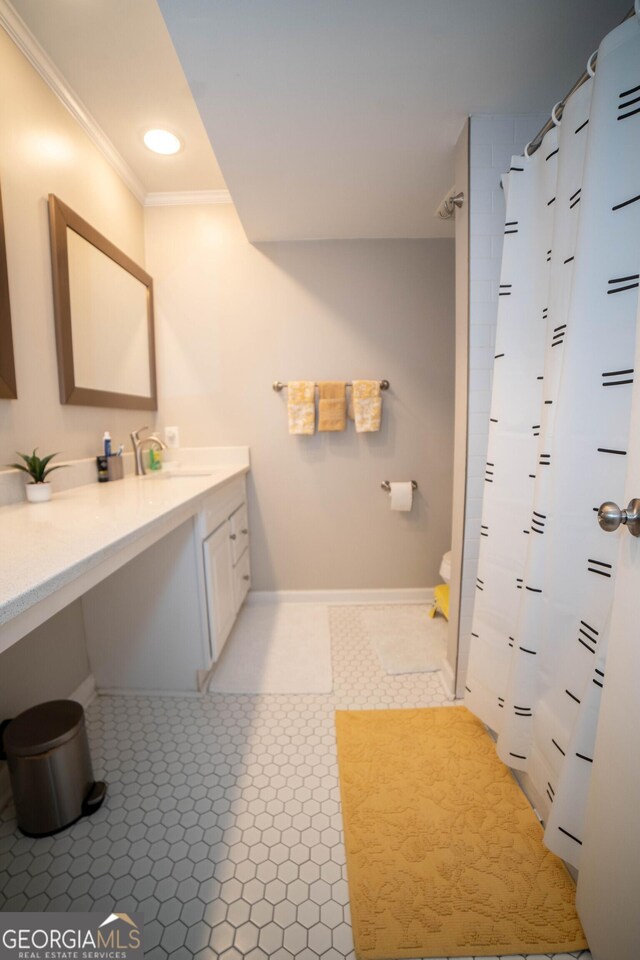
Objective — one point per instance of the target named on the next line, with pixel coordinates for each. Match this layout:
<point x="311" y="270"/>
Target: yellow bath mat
<point x="444" y="854"/>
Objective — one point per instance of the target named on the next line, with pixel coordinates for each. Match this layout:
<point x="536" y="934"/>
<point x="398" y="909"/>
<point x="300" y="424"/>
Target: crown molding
<point x="19" y="32"/>
<point x="185" y="198"/>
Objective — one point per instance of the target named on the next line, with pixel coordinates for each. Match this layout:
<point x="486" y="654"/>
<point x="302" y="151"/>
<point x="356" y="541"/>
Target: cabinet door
<point x="239" y="521"/>
<point x="220" y="587"/>
<point x="242" y="580"/>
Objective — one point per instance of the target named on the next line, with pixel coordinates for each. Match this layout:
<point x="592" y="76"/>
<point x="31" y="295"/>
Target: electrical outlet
<point x="172" y="437"/>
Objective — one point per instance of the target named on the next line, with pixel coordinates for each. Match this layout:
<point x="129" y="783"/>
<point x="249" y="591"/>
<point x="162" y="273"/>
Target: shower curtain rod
<point x="533" y="144"/>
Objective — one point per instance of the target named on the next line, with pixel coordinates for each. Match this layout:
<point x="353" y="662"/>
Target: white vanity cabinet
<point x="226" y="564"/>
<point x="221" y="605"/>
<point x="161" y="620"/>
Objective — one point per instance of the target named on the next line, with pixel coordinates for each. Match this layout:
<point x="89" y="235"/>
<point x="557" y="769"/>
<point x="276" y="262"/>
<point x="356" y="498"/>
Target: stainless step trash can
<point x="50" y="767"/>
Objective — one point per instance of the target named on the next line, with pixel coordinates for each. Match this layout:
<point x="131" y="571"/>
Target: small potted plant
<point x="38" y="488"/>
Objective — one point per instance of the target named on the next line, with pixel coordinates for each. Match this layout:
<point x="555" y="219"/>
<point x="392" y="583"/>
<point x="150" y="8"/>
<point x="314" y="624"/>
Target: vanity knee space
<point x="160" y="622"/>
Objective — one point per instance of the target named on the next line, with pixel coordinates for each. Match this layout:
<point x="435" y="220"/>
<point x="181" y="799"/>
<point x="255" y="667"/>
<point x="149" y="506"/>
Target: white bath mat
<point x="277" y="648"/>
<point x="406" y="639"/>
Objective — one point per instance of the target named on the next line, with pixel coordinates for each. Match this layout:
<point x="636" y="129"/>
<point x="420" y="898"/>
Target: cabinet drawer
<point x="239" y="526"/>
<point x="220" y="504"/>
<point x="241" y="580"/>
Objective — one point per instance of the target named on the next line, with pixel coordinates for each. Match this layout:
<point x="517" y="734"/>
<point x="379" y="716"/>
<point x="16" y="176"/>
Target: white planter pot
<point x="38" y="492"/>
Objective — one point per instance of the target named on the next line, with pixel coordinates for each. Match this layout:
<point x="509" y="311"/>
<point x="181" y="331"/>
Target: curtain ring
<point x="554" y="115"/>
<point x="591" y="62"/>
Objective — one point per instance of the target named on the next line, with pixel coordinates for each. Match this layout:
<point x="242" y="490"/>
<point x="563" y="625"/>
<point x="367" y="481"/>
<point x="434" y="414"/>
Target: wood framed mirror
<point x="8" y="389"/>
<point x="104" y="317"/>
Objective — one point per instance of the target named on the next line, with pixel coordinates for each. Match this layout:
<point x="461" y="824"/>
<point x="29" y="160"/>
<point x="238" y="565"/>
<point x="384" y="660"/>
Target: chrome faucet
<point x="139" y="445"/>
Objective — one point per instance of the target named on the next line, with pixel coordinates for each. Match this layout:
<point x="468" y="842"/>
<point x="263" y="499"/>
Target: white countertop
<point x="45" y="546"/>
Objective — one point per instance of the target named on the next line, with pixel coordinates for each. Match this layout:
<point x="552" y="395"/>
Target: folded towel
<point x="332" y="405"/>
<point x="367" y="405"/>
<point x="301" y="406"/>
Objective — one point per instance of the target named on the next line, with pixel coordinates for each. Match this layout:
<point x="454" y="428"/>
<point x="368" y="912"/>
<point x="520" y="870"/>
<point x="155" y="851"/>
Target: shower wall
<point x="493" y="140"/>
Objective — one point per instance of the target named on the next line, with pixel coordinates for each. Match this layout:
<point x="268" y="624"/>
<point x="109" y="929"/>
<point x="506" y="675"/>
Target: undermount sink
<point x="174" y="471"/>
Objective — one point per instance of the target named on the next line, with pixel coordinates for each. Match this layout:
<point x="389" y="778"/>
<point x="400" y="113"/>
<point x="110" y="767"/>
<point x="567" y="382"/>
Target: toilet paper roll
<point x="401" y="495"/>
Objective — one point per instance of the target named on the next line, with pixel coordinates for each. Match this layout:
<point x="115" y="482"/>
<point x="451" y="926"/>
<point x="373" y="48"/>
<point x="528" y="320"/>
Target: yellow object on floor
<point x="444" y="854"/>
<point x="440" y="600"/>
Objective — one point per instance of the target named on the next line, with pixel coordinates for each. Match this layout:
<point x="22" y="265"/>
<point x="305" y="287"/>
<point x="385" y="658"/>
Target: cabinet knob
<point x="246" y="576"/>
<point x="245" y="531"/>
<point x="232" y="536"/>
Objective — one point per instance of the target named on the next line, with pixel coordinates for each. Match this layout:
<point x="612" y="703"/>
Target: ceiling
<point x="117" y="56"/>
<point x="329" y="118"/>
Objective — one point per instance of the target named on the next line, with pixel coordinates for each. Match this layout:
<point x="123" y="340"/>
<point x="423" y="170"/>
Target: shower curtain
<point x="560" y="417"/>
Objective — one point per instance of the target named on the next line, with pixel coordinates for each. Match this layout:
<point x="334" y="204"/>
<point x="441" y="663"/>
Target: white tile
<point x="482" y="156"/>
<point x="484" y="268"/>
<point x="480" y="335"/>
<point x="483" y="358"/>
<point x="472" y="548"/>
<point x="483" y="313"/>
<point x="480" y="291"/>
<point x="502" y="155"/>
<point x="479" y="380"/>
<point x="486" y="180"/>
<point x="480" y="401"/>
<point x="479" y="426"/>
<point x="481" y="201"/>
<point x="258" y="870"/>
<point x="487" y="129"/>
<point x="488" y="224"/>
<point x="479" y="247"/>
<point x="497" y="243"/>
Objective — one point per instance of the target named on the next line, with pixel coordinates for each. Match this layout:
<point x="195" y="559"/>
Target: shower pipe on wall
<point x="556" y="113"/>
<point x="449" y="205"/>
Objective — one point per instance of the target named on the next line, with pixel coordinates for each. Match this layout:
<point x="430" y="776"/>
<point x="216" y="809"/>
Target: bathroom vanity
<point x="161" y="564"/>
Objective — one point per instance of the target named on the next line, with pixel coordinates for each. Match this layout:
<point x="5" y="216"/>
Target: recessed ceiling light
<point x="162" y="141"/>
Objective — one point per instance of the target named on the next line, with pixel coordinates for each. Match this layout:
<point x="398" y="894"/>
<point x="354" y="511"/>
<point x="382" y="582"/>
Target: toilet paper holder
<point x="386" y="485"/>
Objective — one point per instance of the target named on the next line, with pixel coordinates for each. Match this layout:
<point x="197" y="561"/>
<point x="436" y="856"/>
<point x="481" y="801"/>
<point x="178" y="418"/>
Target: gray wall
<point x="49" y="663"/>
<point x="45" y="151"/>
<point x="232" y="317"/>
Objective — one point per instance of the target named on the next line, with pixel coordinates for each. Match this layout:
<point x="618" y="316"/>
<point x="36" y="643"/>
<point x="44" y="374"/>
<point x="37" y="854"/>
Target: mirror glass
<point x="7" y="369"/>
<point x="108" y="322"/>
<point x="104" y="317"/>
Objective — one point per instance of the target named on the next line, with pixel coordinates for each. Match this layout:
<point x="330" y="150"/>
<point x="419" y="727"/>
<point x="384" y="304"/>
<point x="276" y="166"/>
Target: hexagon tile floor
<point x="222" y="822"/>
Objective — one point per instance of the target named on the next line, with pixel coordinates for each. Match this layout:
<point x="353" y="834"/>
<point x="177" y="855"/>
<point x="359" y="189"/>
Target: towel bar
<point x="386" y="486"/>
<point x="278" y="385"/>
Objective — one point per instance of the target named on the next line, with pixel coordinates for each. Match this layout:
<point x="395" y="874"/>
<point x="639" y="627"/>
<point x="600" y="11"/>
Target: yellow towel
<point x="332" y="405"/>
<point x="367" y="405"/>
<point x="301" y="407"/>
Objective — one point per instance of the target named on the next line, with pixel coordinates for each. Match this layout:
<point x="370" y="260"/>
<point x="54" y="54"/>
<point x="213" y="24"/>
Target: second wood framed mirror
<point x="8" y="390"/>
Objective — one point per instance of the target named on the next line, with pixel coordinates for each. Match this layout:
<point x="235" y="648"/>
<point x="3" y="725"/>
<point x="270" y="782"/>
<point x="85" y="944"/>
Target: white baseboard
<point x="143" y="692"/>
<point x="85" y="694"/>
<point x="447" y="680"/>
<point x="343" y="597"/>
